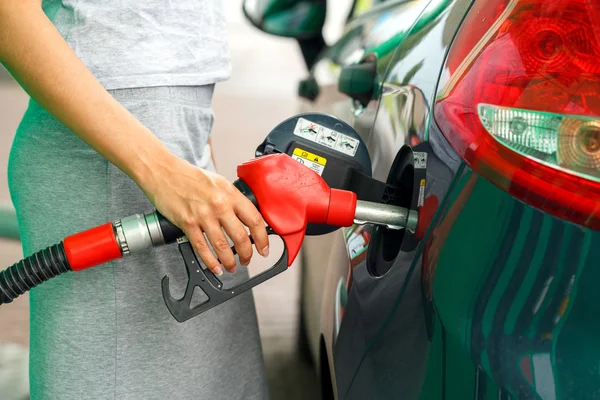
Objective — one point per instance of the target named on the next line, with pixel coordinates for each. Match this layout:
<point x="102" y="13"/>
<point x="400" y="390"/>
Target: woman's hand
<point x="201" y="202"/>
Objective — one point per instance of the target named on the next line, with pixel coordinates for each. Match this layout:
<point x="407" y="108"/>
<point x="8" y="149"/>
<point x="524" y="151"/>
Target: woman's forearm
<point x="42" y="62"/>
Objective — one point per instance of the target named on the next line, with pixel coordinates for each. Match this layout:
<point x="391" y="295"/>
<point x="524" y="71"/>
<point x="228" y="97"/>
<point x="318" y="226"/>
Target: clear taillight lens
<point x="521" y="101"/>
<point x="562" y="141"/>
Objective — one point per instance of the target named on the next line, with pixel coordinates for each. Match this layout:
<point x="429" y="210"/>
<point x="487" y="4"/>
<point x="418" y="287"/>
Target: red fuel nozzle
<point x="290" y="196"/>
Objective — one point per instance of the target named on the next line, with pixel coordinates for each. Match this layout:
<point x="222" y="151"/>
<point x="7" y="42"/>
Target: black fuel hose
<point x="31" y="271"/>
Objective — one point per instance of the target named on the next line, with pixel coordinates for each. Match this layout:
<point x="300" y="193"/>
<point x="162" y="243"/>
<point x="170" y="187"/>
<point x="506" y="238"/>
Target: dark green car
<point x="487" y="113"/>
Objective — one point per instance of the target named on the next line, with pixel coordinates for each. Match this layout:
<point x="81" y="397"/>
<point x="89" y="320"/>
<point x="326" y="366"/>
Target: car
<point x="486" y="115"/>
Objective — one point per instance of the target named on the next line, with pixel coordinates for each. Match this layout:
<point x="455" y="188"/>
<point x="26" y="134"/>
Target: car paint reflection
<point x="385" y="319"/>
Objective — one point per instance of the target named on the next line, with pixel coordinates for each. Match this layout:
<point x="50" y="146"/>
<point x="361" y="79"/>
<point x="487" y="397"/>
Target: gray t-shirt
<point x="143" y="43"/>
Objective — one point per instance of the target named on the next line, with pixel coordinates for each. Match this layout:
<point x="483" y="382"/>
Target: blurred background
<point x="260" y="94"/>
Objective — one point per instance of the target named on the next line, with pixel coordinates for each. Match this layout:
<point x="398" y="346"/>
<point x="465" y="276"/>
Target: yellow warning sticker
<point x="310" y="156"/>
<point x="312" y="161"/>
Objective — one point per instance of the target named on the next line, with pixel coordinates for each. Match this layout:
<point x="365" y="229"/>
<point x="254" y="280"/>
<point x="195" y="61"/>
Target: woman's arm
<point x="197" y="201"/>
<point x="45" y="66"/>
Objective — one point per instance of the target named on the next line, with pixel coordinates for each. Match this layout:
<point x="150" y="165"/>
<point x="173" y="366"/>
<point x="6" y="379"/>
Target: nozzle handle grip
<point x="246" y="191"/>
<point x="170" y="231"/>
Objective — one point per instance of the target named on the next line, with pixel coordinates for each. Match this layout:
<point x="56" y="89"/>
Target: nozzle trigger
<point x="201" y="277"/>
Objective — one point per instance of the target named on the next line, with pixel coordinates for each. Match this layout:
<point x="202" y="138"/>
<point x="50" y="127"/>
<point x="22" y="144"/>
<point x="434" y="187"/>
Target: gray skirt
<point x="105" y="333"/>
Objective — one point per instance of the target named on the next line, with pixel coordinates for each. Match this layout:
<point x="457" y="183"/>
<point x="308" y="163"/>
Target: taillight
<point x="520" y="101"/>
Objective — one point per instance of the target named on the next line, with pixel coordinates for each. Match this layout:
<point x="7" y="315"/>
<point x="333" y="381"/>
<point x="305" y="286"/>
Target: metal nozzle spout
<point x="393" y="217"/>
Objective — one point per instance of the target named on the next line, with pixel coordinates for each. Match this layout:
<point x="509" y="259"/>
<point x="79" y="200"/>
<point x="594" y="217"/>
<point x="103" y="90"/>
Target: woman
<point x="119" y="122"/>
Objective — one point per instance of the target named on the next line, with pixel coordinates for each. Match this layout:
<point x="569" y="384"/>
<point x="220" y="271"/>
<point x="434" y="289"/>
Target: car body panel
<point x="506" y="289"/>
<point x="403" y="116"/>
<point x="350" y="48"/>
<point x="508" y="303"/>
<point x="337" y="268"/>
<point x="496" y="301"/>
<point x="368" y="33"/>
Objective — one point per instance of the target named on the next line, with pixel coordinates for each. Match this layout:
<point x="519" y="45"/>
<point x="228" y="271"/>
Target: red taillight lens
<point x="520" y="101"/>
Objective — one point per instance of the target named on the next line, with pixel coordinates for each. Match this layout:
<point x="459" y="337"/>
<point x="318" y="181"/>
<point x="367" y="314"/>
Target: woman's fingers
<point x="237" y="233"/>
<point x="196" y="238"/>
<point x="250" y="216"/>
<point x="220" y="244"/>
